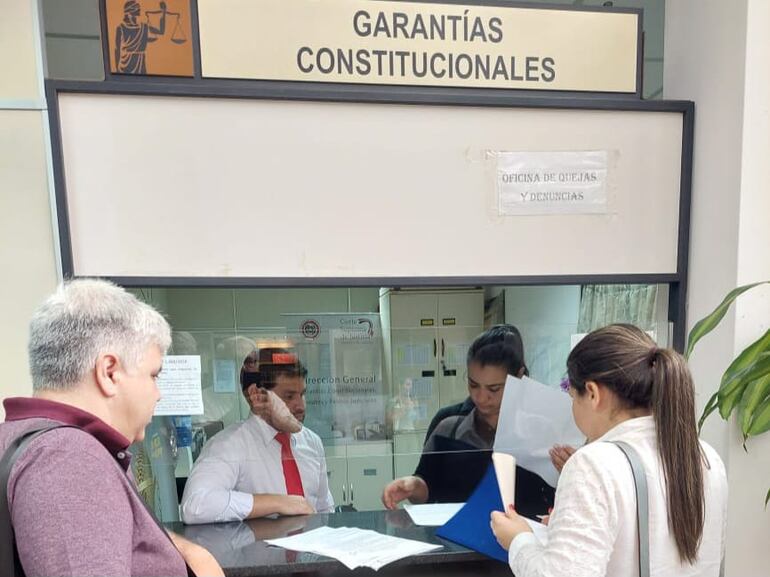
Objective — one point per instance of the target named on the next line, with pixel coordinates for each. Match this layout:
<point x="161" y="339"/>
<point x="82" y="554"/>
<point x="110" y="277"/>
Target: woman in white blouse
<point x="625" y="388"/>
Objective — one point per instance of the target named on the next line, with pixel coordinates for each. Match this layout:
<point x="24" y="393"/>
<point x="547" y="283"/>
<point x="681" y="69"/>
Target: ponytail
<point x="673" y="408"/>
<point x="627" y="361"/>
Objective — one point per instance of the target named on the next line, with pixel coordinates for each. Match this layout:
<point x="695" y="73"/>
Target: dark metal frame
<point x="206" y="88"/>
<point x="380" y="94"/>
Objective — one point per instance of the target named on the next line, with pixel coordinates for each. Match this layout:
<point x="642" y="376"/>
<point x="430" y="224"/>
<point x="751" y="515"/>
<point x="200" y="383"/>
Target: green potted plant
<point x="745" y="385"/>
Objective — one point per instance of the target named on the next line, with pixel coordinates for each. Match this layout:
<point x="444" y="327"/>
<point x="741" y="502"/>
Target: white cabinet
<point x="358" y="473"/>
<point x="370" y="468"/>
<point x="337" y="472"/>
<point x="426" y="336"/>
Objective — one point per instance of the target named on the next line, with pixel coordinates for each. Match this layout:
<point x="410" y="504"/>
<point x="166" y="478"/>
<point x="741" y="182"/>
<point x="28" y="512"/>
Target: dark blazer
<point x="452" y="469"/>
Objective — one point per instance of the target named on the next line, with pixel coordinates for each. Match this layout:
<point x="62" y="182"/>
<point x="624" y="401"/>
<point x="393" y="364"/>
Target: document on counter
<point x="354" y="547"/>
<point x="432" y="514"/>
<point x="533" y="418"/>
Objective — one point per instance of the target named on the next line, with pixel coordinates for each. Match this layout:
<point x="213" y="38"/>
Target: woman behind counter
<point x="625" y="388"/>
<point x="457" y="453"/>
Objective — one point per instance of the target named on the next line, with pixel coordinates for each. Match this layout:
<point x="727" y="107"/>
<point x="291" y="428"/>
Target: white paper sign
<point x="552" y="182"/>
<point x="180" y="386"/>
<point x="346" y="395"/>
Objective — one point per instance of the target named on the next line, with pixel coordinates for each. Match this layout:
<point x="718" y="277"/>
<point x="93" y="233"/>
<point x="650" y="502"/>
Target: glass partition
<point x="380" y="363"/>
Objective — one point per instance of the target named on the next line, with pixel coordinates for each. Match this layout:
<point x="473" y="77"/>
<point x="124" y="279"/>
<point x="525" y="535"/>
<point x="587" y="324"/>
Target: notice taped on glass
<point x="180" y="386"/>
<point x="536" y="183"/>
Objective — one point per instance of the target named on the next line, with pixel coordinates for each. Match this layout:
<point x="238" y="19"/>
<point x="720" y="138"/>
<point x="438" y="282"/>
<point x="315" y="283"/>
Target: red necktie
<point x="290" y="469"/>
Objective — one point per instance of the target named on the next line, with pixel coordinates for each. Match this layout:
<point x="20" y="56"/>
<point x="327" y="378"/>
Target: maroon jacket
<point x="74" y="512"/>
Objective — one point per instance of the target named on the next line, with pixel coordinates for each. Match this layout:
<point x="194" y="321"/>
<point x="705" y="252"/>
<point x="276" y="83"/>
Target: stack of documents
<point x="354" y="547"/>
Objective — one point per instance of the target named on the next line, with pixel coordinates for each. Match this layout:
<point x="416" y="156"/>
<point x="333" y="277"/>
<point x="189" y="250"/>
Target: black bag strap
<point x="642" y="506"/>
<point x="9" y="556"/>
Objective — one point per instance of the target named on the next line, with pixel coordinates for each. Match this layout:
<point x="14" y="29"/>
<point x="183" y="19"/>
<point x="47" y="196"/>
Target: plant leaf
<point x="747" y="357"/>
<point x="761" y="422"/>
<point x="731" y="391"/>
<point x="709" y="322"/>
<point x="756" y="392"/>
<point x="710" y="407"/>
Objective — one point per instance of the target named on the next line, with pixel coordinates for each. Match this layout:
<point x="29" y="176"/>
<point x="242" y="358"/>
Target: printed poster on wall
<point x="343" y="355"/>
<point x="537" y="183"/>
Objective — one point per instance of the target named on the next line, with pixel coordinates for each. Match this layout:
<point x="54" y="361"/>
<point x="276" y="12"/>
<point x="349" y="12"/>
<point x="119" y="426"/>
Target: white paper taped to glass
<point x="555" y="182"/>
<point x="533" y="418"/>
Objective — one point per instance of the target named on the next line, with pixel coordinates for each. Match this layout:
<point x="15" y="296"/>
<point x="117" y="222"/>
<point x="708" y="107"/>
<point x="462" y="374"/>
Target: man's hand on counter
<point x="296" y="505"/>
<point x="412" y="488"/>
<point x="265" y="505"/>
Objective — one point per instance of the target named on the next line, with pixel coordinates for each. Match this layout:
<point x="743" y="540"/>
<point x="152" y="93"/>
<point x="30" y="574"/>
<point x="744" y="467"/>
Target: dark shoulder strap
<point x="9" y="557"/>
<point x="642" y="506"/>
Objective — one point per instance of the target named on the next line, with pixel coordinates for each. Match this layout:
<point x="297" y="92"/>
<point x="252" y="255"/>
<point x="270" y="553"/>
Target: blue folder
<point x="470" y="525"/>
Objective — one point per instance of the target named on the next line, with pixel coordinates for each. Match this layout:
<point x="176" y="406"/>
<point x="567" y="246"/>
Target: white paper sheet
<point x="533" y="418"/>
<point x="180" y="386"/>
<point x="552" y="182"/>
<point x="505" y="471"/>
<point x="354" y="547"/>
<point x="432" y="514"/>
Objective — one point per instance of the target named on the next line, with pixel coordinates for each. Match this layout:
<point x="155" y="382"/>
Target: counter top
<point x="242" y="552"/>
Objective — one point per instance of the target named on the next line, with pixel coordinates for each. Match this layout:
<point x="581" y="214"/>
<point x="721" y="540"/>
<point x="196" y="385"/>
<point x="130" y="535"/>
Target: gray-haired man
<point x="95" y="352"/>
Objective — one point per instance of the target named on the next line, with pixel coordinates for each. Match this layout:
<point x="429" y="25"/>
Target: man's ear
<point x="106" y="373"/>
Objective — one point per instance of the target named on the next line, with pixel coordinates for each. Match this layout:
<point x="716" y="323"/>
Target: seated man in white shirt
<point x="252" y="469"/>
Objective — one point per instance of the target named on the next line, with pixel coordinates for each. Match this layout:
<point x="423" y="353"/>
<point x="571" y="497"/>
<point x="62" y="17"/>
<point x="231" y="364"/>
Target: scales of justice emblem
<point x="135" y="34"/>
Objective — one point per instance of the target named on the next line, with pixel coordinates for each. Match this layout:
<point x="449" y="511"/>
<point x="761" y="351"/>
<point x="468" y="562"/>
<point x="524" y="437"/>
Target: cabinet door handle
<point x="442" y="347"/>
<point x="434" y="347"/>
<point x="344" y="493"/>
<point x="352" y="498"/>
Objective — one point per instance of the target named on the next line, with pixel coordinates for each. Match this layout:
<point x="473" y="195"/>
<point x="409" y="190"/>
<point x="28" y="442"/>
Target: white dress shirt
<point x="245" y="460"/>
<point x="592" y="531"/>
